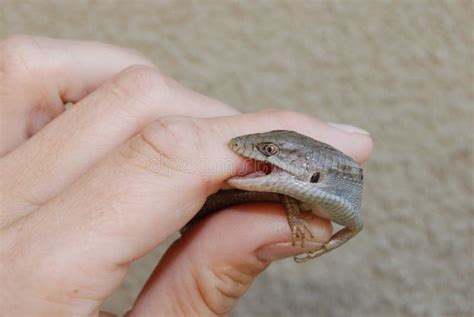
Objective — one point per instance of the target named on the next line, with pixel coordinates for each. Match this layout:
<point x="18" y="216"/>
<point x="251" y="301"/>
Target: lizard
<point x="309" y="177"/>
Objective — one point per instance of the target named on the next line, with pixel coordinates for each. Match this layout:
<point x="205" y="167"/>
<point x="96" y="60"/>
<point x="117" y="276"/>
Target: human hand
<point x="101" y="185"/>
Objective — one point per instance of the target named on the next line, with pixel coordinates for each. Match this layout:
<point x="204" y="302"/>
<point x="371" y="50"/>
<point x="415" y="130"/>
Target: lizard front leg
<point x="296" y="220"/>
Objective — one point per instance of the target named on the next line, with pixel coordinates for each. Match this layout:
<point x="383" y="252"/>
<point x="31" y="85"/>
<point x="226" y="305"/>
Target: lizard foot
<point x="311" y="255"/>
<point x="299" y="229"/>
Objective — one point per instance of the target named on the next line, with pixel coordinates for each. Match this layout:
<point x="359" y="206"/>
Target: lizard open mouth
<point x="262" y="167"/>
<point x="259" y="169"/>
<point x="257" y="176"/>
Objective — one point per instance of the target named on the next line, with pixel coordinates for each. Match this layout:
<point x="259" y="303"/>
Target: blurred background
<point x="402" y="70"/>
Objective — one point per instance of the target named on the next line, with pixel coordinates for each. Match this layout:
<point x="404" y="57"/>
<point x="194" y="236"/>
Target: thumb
<point x="207" y="271"/>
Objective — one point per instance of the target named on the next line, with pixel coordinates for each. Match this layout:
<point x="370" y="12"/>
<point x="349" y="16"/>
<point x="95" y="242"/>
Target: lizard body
<point x="307" y="176"/>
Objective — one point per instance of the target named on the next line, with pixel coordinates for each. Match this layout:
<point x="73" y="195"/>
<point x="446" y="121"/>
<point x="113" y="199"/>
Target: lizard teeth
<point x="275" y="169"/>
<point x="255" y="174"/>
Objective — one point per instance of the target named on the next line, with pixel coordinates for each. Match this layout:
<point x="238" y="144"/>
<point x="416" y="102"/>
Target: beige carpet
<point x="402" y="70"/>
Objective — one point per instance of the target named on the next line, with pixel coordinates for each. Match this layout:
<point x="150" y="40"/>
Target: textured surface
<point x="402" y="70"/>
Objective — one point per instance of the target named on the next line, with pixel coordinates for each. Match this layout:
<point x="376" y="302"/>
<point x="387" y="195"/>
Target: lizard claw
<point x="311" y="255"/>
<point x="299" y="229"/>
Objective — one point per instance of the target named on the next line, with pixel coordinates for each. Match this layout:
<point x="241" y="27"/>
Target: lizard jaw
<point x="259" y="179"/>
<point x="267" y="170"/>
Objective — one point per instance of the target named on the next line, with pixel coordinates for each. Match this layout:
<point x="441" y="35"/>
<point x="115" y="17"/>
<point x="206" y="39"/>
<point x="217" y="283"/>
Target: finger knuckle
<point x="140" y="86"/>
<point x="140" y="80"/>
<point x="178" y="136"/>
<point x="232" y="282"/>
<point x="167" y="145"/>
<point x="16" y="53"/>
<point x="225" y="288"/>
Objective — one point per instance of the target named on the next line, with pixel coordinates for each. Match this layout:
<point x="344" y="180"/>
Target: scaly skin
<point x="311" y="176"/>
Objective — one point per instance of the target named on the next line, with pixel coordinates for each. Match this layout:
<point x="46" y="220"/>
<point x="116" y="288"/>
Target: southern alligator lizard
<point x="307" y="176"/>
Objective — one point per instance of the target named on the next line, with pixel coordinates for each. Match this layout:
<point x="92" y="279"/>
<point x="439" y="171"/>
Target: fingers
<point x="77" y="139"/>
<point x="206" y="272"/>
<point x="158" y="180"/>
<point x="171" y="168"/>
<point x="38" y="75"/>
<point x="139" y="195"/>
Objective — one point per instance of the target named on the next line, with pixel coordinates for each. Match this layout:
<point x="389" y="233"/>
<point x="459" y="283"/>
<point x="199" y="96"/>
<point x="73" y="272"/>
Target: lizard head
<point x="294" y="157"/>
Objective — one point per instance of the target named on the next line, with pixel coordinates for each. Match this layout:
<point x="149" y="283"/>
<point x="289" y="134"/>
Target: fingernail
<point x="282" y="250"/>
<point x="348" y="128"/>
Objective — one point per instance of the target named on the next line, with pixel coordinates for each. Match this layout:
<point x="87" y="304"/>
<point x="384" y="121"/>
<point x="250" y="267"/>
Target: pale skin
<point x="80" y="201"/>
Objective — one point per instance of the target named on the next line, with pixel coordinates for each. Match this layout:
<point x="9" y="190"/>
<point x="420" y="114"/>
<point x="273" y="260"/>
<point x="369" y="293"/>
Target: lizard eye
<point x="269" y="149"/>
